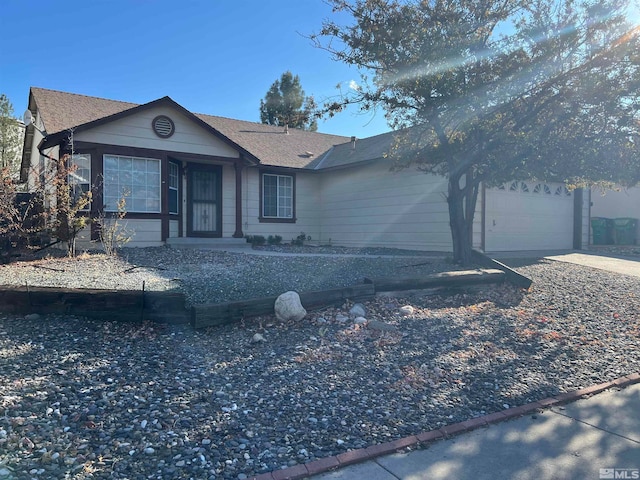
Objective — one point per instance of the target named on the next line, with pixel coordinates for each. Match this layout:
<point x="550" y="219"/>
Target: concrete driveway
<point x="601" y="260"/>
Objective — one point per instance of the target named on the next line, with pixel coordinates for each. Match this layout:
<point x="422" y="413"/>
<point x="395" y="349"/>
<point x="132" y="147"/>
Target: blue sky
<point x="211" y="56"/>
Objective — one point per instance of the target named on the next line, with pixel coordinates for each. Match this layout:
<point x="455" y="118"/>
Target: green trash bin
<point x="602" y="230"/>
<point x="625" y="231"/>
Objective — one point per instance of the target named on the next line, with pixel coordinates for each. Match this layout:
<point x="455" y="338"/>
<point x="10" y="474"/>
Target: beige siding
<point x="34" y="161"/>
<point x="174" y="228"/>
<point x="84" y="243"/>
<point x="135" y="131"/>
<point x="307" y="208"/>
<point x="144" y="233"/>
<point x="372" y="206"/>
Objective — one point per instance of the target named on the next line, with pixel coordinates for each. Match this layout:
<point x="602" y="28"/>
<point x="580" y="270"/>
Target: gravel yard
<point x="207" y="276"/>
<point x="84" y="399"/>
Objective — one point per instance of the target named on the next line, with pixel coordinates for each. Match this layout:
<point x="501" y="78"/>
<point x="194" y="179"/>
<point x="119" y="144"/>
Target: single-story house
<point x="189" y="178"/>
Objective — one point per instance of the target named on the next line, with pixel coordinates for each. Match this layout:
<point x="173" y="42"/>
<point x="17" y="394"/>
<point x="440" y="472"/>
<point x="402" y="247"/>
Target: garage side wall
<point x="370" y="206"/>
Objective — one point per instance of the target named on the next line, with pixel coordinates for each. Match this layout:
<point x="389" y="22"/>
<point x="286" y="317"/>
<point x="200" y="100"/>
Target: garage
<point x="528" y="216"/>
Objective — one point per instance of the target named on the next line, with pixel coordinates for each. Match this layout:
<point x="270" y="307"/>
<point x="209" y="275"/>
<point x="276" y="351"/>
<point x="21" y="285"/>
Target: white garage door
<point x="528" y="216"/>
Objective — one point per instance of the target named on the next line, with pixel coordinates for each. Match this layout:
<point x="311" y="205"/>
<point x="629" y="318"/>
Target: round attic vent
<point x="163" y="126"/>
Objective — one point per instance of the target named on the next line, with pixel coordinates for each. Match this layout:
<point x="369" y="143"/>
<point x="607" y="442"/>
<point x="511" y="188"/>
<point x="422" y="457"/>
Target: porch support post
<point x="238" y="167"/>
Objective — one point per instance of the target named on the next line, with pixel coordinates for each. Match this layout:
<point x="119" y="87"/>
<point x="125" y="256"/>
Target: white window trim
<point x="129" y="207"/>
<point x="290" y="217"/>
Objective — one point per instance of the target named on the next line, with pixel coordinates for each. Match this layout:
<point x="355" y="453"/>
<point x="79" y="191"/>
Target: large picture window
<point x="135" y="179"/>
<point x="277" y="196"/>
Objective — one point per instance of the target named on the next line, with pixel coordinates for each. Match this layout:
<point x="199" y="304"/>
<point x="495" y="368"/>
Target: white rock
<point x="5" y="472"/>
<point x="257" y="338"/>
<point x="360" y="320"/>
<point x="341" y="318"/>
<point x="149" y="451"/>
<point x="143" y="423"/>
<point x="289" y="308"/>
<point x="32" y="316"/>
<point x="340" y="442"/>
<point x="407" y="310"/>
<point x="358" y="310"/>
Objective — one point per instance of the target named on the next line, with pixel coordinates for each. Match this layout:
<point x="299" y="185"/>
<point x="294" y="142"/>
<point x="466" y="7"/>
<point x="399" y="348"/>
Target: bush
<point x="255" y="239"/>
<point x="300" y="239"/>
<point x="274" y="240"/>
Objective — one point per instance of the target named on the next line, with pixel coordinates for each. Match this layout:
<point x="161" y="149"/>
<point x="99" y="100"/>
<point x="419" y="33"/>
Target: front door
<point x="204" y="201"/>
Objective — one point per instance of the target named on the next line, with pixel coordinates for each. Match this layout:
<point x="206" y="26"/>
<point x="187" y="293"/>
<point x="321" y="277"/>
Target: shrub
<point x="300" y="239"/>
<point x="258" y="240"/>
<point x="274" y="240"/>
<point x="113" y="230"/>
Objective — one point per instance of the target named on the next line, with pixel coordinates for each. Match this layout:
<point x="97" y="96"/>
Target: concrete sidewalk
<point x="575" y="441"/>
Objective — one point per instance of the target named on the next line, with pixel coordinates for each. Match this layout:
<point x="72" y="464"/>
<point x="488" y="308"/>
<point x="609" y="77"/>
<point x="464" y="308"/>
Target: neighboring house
<point x="618" y="203"/>
<point x="190" y="177"/>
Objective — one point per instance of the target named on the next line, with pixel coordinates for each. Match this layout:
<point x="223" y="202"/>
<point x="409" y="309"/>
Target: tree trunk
<point x="462" y="206"/>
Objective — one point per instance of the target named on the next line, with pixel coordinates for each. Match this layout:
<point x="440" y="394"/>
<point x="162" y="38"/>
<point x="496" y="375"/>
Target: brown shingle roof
<point x="297" y="149"/>
<point x="365" y="149"/>
<point x="60" y="111"/>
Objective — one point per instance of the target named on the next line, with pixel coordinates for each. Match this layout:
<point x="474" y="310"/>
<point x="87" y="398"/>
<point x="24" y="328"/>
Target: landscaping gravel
<point x="87" y="399"/>
<point x="209" y="276"/>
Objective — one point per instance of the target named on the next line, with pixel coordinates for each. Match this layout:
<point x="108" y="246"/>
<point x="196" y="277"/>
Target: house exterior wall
<point x="370" y="206"/>
<point x="136" y="131"/>
<point x="623" y="203"/>
<point x="33" y="179"/>
<point x="307" y="207"/>
<point x="144" y="233"/>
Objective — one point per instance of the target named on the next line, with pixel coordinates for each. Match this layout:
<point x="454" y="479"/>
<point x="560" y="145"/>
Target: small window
<point x="174" y="179"/>
<point x="277" y="196"/>
<point x="79" y="176"/>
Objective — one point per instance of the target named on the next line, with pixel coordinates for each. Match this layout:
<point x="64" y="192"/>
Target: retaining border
<point x="323" y="465"/>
